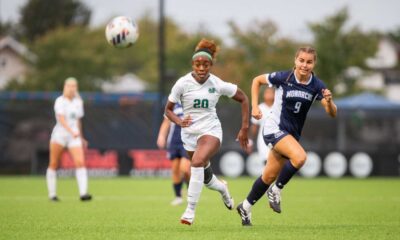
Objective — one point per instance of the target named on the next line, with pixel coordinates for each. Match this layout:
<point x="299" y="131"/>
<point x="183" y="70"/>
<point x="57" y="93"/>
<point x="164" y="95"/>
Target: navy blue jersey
<point x="174" y="135"/>
<point x="292" y="102"/>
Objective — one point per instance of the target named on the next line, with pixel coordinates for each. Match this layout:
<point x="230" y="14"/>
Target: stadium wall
<point x="122" y="130"/>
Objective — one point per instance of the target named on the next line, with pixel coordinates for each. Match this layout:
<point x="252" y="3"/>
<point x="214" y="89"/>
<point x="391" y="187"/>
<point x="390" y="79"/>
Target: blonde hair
<point x="71" y="80"/>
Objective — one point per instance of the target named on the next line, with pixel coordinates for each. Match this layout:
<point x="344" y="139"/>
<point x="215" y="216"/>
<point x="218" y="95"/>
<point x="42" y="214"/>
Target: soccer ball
<point x="122" y="32"/>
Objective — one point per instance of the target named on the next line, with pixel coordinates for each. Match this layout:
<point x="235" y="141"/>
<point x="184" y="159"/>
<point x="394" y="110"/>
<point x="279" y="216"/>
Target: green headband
<point x="203" y="54"/>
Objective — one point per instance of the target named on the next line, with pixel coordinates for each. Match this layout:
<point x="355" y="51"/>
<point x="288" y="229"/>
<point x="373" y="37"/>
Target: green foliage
<point x="339" y="47"/>
<point x="41" y="16"/>
<point x="72" y="49"/>
<point x="65" y="52"/>
<point x="257" y="49"/>
<point x="7" y="28"/>
<point x="395" y="35"/>
<point x="84" y="53"/>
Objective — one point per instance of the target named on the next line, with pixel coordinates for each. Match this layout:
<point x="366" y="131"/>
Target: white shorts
<point x="262" y="149"/>
<point x="65" y="139"/>
<point x="190" y="140"/>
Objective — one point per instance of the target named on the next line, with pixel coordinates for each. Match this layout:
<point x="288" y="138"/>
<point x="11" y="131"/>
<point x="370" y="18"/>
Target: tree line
<point x="58" y="33"/>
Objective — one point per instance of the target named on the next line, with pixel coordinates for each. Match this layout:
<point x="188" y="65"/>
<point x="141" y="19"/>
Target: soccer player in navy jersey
<point x="295" y="92"/>
<point x="169" y="137"/>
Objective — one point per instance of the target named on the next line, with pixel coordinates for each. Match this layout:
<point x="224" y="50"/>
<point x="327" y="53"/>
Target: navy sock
<point x="286" y="174"/>
<point x="257" y="191"/>
<point x="177" y="189"/>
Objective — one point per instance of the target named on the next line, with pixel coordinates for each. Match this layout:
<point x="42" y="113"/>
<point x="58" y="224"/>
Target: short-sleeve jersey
<point x="266" y="111"/>
<point x="72" y="110"/>
<point x="292" y="102"/>
<point x="199" y="100"/>
<point x="174" y="135"/>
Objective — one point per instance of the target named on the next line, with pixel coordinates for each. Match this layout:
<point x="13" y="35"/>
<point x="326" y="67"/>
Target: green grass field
<point x="129" y="208"/>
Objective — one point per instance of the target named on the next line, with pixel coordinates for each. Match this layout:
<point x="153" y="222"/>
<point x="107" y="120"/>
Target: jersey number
<point x="297" y="107"/>
<point x="200" y="103"/>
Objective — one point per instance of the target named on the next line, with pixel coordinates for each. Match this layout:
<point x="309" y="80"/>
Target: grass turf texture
<point x="128" y="208"/>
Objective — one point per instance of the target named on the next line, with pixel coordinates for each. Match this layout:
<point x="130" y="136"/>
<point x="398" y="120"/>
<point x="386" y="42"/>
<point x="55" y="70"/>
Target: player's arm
<point x="252" y="137"/>
<point x="169" y="113"/>
<point x="255" y="91"/>
<point x="241" y="97"/>
<point x="61" y="119"/>
<point x="163" y="133"/>
<point x="253" y="130"/>
<point x="327" y="102"/>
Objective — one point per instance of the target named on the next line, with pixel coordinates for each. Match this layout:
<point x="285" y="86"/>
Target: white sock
<point x="246" y="205"/>
<point x="275" y="188"/>
<point x="82" y="178"/>
<point x="195" y="186"/>
<point x="216" y="185"/>
<point x="51" y="179"/>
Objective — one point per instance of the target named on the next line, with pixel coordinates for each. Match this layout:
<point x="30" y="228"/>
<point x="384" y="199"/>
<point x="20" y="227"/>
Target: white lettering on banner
<point x="299" y="94"/>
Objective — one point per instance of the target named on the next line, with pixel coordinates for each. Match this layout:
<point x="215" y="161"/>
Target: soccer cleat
<point x="244" y="215"/>
<point x="86" y="197"/>
<point x="54" y="199"/>
<point x="274" y="198"/>
<point x="187" y="217"/>
<point x="227" y="198"/>
<point x="177" y="201"/>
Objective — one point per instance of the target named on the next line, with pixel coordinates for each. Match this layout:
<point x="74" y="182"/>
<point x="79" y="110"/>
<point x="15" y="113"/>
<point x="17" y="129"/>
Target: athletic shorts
<point x="262" y="149"/>
<point x="190" y="140"/>
<point x="65" y="139"/>
<point x="176" y="151"/>
<point x="271" y="139"/>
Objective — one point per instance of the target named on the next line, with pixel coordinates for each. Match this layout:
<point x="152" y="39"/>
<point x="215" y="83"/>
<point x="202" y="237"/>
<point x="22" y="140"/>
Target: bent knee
<point x="299" y="160"/>
<point x="175" y="171"/>
<point x="197" y="164"/>
<point x="269" y="179"/>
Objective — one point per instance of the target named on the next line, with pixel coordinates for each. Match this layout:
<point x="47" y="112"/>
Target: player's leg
<point x="176" y="181"/>
<point x="212" y="182"/>
<point x="185" y="164"/>
<point x="76" y="151"/>
<point x="207" y="146"/>
<point x="51" y="173"/>
<point x="185" y="169"/>
<point x="290" y="148"/>
<point x="274" y="165"/>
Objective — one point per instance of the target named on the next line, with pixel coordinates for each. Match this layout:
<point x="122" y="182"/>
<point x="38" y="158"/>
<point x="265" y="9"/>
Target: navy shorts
<point x="176" y="152"/>
<point x="271" y="139"/>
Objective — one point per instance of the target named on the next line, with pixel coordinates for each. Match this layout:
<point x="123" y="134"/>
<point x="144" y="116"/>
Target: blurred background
<point x="42" y="42"/>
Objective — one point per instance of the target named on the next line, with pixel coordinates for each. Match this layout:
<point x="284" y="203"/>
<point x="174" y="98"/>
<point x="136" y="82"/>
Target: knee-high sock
<point x="195" y="186"/>
<point x="216" y="185"/>
<point x="82" y="178"/>
<point x="51" y="179"/>
<point x="212" y="182"/>
<point x="256" y="192"/>
<point x="178" y="189"/>
<point x="286" y="174"/>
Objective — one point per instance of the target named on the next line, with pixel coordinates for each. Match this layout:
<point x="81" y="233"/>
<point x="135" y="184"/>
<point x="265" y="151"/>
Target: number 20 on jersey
<point x="200" y="103"/>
